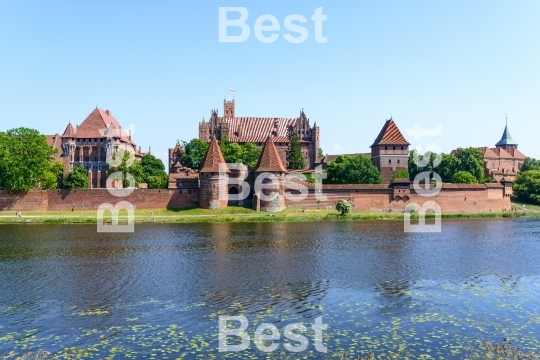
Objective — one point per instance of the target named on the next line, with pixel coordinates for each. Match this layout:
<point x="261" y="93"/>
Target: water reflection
<point x="74" y="287"/>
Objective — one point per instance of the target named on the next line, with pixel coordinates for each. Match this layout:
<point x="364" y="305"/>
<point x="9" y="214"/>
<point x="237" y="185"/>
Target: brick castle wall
<point x="91" y="199"/>
<point x="451" y="200"/>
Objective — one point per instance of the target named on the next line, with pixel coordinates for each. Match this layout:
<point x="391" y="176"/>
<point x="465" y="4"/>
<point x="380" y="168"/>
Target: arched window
<point x="493" y="165"/>
<point x="390" y="161"/>
<point x="519" y="166"/>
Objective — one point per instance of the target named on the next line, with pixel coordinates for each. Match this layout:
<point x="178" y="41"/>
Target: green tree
<point x="414" y="165"/>
<point x="194" y="152"/>
<point x="530" y="164"/>
<point x="320" y="153"/>
<point x="153" y="172"/>
<point x="343" y="207"/>
<point x="295" y="159"/>
<point x="464" y="177"/>
<point x="76" y="179"/>
<point x="236" y="153"/>
<point x="50" y="178"/>
<point x="251" y="155"/>
<point x="526" y="186"/>
<point x="125" y="166"/>
<point x="448" y="167"/>
<point x="157" y="181"/>
<point x="471" y="160"/>
<point x="348" y="170"/>
<point x="400" y="174"/>
<point x="25" y="160"/>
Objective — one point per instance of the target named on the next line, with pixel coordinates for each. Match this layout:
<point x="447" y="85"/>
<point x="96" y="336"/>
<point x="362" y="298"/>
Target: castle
<point x="504" y="161"/>
<point x="256" y="129"/>
<point x="100" y="135"/>
<point x="91" y="144"/>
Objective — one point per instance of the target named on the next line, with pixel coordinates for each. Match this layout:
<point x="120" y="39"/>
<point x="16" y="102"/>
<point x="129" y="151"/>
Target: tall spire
<point x="506" y="139"/>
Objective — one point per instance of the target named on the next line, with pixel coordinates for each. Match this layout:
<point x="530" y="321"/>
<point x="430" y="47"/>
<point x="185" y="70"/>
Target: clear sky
<point x="160" y="66"/>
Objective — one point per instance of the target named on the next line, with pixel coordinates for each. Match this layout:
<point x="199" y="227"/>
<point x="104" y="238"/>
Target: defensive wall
<point x="452" y="198"/>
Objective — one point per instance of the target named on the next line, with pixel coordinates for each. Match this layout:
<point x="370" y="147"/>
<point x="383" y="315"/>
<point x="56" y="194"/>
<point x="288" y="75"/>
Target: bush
<point x="464" y="177"/>
<point x="526" y="187"/>
<point x="343" y="207"/>
<point x="401" y="174"/>
<point x="76" y="179"/>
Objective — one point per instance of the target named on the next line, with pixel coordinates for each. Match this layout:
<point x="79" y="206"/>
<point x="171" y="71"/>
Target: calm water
<point x="159" y="291"/>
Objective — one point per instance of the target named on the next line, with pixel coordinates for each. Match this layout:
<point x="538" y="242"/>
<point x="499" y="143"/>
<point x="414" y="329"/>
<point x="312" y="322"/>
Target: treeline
<point x="465" y="166"/>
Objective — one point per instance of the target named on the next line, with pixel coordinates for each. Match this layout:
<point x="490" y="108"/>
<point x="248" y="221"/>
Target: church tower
<point x="228" y="109"/>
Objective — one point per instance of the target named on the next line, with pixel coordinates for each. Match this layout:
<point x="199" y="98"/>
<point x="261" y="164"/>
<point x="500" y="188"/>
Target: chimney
<point x="139" y="148"/>
<point x="129" y="134"/>
<point x="149" y="150"/>
<point x="108" y="112"/>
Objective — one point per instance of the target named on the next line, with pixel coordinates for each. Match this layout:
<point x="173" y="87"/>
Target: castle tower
<point x="228" y="109"/>
<point x="506" y="141"/>
<point x="272" y="197"/>
<point x="213" y="193"/>
<point x="390" y="151"/>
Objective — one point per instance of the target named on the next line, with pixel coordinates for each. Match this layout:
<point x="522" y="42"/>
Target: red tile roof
<point x="69" y="132"/>
<point x="101" y="124"/>
<point x="213" y="158"/>
<point x="253" y="129"/>
<point x="183" y="175"/>
<point x="270" y="160"/>
<point x="390" y="135"/>
<point x="516" y="154"/>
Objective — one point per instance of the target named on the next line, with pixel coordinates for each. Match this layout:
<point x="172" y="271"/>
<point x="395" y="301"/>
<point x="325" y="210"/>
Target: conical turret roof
<point x="270" y="160"/>
<point x="69" y="132"/>
<point x="213" y="158"/>
<point x="506" y="138"/>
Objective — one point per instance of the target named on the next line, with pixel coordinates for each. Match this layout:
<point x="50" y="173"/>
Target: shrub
<point x="343" y="207"/>
<point x="464" y="177"/>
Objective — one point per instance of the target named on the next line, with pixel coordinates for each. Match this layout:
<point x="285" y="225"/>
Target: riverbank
<point x="232" y="214"/>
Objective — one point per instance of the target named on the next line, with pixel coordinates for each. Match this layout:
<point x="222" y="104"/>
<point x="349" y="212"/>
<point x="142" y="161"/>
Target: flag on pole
<point x="232" y="90"/>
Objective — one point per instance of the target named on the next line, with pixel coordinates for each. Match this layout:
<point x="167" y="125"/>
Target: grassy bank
<point x="230" y="214"/>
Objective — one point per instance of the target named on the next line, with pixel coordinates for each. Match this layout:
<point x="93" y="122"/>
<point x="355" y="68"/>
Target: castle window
<point x="390" y="161"/>
<point x="398" y="161"/>
<point x="519" y="166"/>
<point x="493" y="165"/>
<point x="402" y="148"/>
<point x="95" y="157"/>
<point x="386" y="148"/>
<point x="393" y="148"/>
<point x="86" y="158"/>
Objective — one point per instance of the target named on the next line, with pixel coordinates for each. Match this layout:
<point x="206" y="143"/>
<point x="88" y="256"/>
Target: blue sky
<point x="159" y="65"/>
